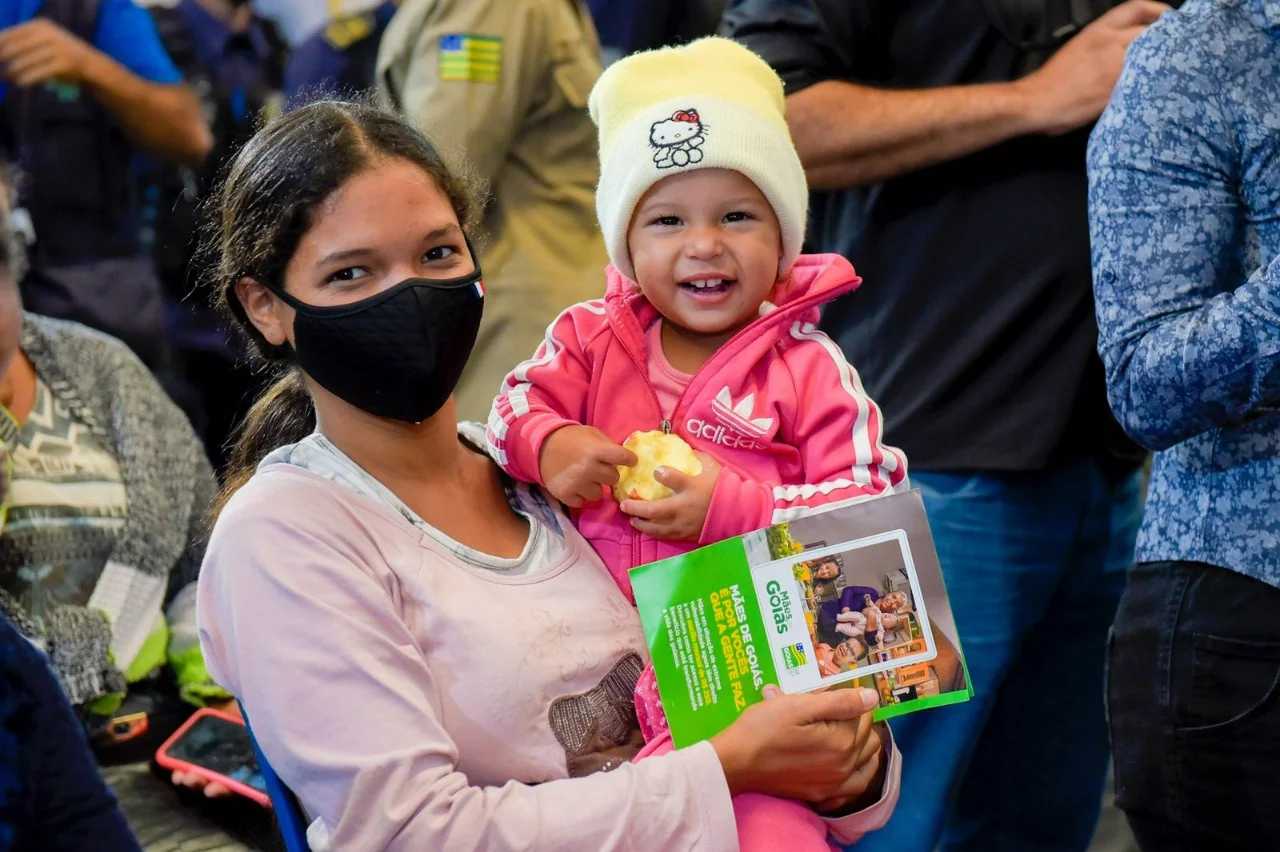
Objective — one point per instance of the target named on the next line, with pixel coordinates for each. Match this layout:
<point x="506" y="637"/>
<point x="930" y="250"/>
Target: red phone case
<point x="172" y="763"/>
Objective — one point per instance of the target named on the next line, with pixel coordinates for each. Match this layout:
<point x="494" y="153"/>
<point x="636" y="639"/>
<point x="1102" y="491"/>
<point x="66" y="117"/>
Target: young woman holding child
<point x="431" y="655"/>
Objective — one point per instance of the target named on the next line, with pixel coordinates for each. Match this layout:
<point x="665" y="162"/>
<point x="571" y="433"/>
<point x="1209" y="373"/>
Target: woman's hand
<point x="877" y="767"/>
<point x="191" y="780"/>
<point x="579" y="463"/>
<point x="818" y="747"/>
<point x="681" y="516"/>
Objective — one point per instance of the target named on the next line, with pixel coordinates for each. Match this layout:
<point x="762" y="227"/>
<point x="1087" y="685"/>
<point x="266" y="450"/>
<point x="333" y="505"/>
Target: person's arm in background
<point x="449" y="90"/>
<point x="52" y="797"/>
<point x="147" y="416"/>
<point x="126" y="70"/>
<point x="1186" y="349"/>
<point x="195" y="684"/>
<point x="851" y="597"/>
<point x="850" y="135"/>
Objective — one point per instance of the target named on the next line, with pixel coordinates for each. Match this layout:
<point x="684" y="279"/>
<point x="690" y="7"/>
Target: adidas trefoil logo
<point x="737" y="428"/>
<point x="738" y="417"/>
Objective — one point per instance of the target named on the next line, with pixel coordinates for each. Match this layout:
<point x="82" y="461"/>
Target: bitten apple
<point x="653" y="450"/>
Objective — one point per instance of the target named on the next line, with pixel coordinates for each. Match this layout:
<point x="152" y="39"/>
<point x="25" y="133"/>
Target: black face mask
<point x="398" y="354"/>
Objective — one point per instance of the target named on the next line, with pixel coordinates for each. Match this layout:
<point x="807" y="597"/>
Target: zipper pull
<point x="666" y="427"/>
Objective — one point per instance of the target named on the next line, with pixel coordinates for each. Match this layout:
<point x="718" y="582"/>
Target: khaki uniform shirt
<point x="502" y="85"/>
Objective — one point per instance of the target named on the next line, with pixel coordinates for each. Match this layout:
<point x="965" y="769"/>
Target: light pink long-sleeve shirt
<point x="415" y="700"/>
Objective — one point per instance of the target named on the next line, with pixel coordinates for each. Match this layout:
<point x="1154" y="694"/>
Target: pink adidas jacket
<point x="777" y="405"/>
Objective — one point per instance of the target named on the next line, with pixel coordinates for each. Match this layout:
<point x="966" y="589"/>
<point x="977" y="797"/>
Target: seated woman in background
<point x="431" y="656"/>
<point x="105" y="494"/>
<point x="51" y="796"/>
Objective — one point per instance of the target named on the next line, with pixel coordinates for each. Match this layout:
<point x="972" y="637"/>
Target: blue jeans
<point x="1194" y="700"/>
<point x="1035" y="564"/>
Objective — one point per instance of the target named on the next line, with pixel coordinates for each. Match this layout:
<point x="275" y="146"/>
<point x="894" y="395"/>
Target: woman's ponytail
<point x="282" y="415"/>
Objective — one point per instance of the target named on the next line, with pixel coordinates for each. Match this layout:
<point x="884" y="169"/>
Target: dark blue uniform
<point x="52" y="798"/>
<point x="237" y="77"/>
<point x="628" y="26"/>
<point x="88" y="262"/>
<point x="339" y="59"/>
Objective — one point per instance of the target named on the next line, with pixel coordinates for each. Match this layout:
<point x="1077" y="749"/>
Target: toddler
<point x="708" y="330"/>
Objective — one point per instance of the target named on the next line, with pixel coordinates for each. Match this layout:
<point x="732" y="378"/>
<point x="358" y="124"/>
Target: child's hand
<point x="579" y="464"/>
<point x="681" y="516"/>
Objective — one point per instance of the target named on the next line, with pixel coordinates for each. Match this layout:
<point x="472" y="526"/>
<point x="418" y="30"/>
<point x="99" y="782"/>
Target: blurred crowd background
<point x="118" y="117"/>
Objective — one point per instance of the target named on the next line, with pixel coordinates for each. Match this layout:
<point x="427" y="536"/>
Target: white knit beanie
<point x="711" y="104"/>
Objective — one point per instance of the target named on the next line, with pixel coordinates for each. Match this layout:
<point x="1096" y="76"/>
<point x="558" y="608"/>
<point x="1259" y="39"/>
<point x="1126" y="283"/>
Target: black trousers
<point x="1193" y="699"/>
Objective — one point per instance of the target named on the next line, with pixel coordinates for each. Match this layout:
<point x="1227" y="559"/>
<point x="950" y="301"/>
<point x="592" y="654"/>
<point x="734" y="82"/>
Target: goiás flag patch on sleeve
<point x="470" y="58"/>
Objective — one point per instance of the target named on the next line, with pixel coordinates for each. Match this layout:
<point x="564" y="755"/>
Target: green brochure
<point x="852" y="596"/>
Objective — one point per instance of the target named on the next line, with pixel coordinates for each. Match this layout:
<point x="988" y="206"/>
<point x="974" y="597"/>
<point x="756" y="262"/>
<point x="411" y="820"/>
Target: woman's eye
<point x="351" y="273"/>
<point x="440" y="253"/>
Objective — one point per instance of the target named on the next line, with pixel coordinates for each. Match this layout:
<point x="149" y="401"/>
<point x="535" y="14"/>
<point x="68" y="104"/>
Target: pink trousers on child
<point x="765" y="823"/>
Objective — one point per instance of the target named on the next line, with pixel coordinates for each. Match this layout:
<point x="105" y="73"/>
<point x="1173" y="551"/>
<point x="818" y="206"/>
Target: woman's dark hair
<point x="259" y="215"/>
<point x="834" y="557"/>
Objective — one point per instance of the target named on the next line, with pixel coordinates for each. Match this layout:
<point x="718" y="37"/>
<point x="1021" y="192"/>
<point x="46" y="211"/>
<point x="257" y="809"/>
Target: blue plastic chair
<point x="288" y="811"/>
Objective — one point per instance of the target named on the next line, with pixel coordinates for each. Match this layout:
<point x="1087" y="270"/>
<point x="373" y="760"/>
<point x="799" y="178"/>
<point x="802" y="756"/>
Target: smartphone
<point x="123" y="729"/>
<point x="216" y="746"/>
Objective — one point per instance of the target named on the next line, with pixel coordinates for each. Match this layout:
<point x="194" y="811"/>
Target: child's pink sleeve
<point x="545" y="393"/>
<point x="738" y="505"/>
<point x="838" y="430"/>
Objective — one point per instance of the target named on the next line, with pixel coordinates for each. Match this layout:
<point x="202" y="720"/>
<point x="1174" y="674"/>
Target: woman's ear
<point x="272" y="317"/>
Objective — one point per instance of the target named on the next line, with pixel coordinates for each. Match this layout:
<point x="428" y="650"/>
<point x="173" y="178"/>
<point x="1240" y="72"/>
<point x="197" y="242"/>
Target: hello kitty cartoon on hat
<point x="677" y="140"/>
<point x="710" y="104"/>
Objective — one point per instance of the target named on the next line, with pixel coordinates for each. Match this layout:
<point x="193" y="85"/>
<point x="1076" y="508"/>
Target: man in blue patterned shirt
<point x="1185" y="207"/>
